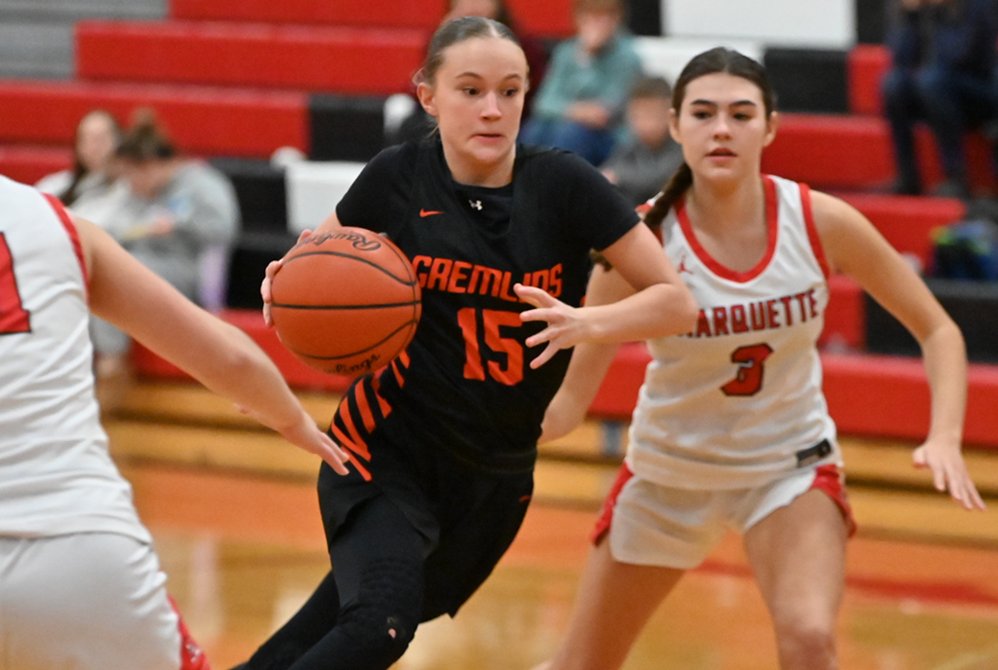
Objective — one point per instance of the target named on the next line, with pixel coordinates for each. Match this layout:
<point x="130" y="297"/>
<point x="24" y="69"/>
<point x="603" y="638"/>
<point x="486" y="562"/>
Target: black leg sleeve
<point x="378" y="571"/>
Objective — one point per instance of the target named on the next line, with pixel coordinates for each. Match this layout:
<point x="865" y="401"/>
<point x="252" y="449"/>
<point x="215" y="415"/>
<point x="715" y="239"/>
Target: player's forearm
<point x="945" y="361"/>
<point x="660" y="310"/>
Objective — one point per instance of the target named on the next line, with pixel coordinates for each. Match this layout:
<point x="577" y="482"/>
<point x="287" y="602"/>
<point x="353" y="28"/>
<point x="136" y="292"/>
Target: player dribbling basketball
<point x="443" y="442"/>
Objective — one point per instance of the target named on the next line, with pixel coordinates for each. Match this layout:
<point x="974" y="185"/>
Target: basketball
<point x="345" y="302"/>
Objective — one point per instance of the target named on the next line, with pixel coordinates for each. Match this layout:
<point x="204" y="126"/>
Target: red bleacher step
<point x="908" y="221"/>
<point x="28" y="164"/>
<point x="399" y="14"/>
<point x="855" y="152"/>
<point x="347" y="60"/>
<point x="867" y="64"/>
<point x="552" y="18"/>
<point x="202" y="120"/>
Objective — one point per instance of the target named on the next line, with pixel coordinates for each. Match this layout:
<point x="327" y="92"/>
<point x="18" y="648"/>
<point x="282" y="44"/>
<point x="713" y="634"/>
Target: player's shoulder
<point x="552" y="167"/>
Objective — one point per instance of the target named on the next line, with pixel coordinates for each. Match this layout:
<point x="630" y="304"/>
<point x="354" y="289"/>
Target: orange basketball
<point x="345" y="302"/>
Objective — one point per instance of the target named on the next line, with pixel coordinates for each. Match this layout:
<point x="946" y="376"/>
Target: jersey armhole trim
<point x="74" y="237"/>
<point x="812" y="229"/>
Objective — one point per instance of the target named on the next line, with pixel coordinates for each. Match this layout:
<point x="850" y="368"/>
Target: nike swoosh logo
<point x="423" y="213"/>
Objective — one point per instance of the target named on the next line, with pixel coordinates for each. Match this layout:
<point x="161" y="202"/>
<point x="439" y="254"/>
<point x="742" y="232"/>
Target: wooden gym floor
<point x="235" y="519"/>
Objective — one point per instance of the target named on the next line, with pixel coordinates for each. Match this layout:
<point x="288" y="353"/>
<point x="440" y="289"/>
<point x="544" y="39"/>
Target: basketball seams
<point x="361" y="259"/>
<point x="358" y="352"/>
<point x="369" y="305"/>
<point x="336" y="315"/>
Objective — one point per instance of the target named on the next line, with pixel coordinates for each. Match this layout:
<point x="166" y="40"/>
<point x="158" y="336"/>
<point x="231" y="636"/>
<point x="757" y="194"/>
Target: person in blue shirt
<point x="943" y="72"/>
<point x="581" y="102"/>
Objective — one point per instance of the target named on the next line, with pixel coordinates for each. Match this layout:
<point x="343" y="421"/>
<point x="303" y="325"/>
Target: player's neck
<point x="475" y="173"/>
<point x="725" y="206"/>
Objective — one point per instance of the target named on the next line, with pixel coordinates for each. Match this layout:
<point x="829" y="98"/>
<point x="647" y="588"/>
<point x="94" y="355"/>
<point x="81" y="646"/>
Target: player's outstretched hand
<point x="949" y="472"/>
<point x="565" y="325"/>
<point x="268" y="279"/>
<point x="306" y="434"/>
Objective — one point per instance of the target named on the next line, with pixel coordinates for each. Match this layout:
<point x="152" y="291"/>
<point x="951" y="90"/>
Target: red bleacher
<point x="855" y="152"/>
<point x="202" y="120"/>
<point x="552" y="18"/>
<point x="28" y="164"/>
<point x="340" y="59"/>
<point x="867" y="64"/>
<point x="907" y="221"/>
<point x="423" y="14"/>
<point x="880" y="396"/>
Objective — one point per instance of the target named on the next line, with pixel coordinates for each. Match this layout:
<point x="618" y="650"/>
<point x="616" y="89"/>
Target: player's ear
<point x="674" y="125"/>
<point x="426" y="96"/>
<point x="771" y="125"/>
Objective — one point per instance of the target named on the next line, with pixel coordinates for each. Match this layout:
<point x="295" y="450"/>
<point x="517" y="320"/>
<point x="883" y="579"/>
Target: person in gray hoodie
<point x="179" y="219"/>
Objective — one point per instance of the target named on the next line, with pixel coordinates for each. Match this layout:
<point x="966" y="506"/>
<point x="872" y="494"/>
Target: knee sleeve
<point x="388" y="605"/>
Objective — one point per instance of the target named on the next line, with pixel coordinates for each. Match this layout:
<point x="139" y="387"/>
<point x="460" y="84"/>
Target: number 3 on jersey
<point x="13" y="317"/>
<point x="749" y="359"/>
<point x="510" y="372"/>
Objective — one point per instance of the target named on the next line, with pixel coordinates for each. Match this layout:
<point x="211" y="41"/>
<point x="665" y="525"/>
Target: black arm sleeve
<point x="378" y="198"/>
<point x="596" y="209"/>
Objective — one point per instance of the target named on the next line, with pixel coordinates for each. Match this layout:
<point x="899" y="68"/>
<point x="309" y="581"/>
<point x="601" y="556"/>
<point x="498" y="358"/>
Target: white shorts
<point x="89" y="601"/>
<point x="650" y="524"/>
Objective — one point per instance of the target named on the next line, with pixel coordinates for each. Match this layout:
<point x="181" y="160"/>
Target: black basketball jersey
<point x="464" y="383"/>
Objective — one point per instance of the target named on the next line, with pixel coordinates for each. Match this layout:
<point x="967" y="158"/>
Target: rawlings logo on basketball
<point x="359" y="241"/>
<point x="357" y="368"/>
<point x="346" y="301"/>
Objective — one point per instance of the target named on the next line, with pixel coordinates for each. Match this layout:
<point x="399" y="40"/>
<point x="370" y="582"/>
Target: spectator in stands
<point x="580" y="105"/>
<point x="411" y="122"/>
<point x="731" y="430"/>
<point x="97" y="137"/>
<point x="179" y="220"/>
<point x="645" y="161"/>
<point x="944" y="72"/>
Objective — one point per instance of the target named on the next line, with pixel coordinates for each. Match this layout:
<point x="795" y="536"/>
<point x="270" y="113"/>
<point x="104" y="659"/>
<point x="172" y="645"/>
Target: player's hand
<point x="306" y="434"/>
<point x="268" y="280"/>
<point x="949" y="472"/>
<point x="565" y="328"/>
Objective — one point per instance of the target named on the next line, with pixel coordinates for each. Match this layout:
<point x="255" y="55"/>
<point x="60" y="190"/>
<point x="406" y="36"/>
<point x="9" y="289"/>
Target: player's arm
<point x="590" y="362"/>
<point x="219" y="355"/>
<point x="660" y="306"/>
<point x="853" y="246"/>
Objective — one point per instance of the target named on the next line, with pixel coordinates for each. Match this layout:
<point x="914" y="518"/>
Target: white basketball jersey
<point x="56" y="475"/>
<point x="732" y="403"/>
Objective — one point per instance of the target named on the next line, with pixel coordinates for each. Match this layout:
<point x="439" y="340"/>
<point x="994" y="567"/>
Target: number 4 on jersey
<point x="749" y="359"/>
<point x="13" y="317"/>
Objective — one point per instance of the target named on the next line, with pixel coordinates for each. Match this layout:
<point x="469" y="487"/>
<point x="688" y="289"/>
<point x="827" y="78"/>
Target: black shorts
<point x="468" y="517"/>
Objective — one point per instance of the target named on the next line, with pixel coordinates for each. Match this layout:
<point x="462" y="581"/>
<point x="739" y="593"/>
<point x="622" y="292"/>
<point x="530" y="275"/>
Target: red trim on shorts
<point x="74" y="235"/>
<point x="829" y="480"/>
<point x="191" y="656"/>
<point x="606" y="513"/>
<point x="812" y="229"/>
